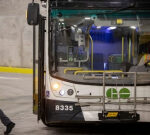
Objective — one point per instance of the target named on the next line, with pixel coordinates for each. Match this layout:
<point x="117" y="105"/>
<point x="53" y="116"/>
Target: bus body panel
<point x="73" y="108"/>
<point x="56" y="104"/>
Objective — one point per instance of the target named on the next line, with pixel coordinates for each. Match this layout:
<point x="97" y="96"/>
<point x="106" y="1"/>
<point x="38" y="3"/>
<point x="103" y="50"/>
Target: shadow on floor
<point x="104" y="129"/>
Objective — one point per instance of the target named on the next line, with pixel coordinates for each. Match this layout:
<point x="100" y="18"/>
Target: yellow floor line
<point x="16" y="70"/>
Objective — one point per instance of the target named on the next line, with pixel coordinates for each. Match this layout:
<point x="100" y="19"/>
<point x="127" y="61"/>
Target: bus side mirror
<point x="33" y="14"/>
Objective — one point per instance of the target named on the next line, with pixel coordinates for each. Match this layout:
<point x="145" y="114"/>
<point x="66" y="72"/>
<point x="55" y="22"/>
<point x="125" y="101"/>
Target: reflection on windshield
<point x="86" y="47"/>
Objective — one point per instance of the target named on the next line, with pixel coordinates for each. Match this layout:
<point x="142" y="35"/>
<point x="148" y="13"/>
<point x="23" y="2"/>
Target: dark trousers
<point x="5" y="120"/>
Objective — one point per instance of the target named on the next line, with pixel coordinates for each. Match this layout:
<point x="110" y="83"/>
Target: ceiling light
<point x="98" y="27"/>
<point x="73" y="28"/>
<point x="133" y="27"/>
<point x="112" y="28"/>
<point x="74" y="25"/>
<point x="87" y="18"/>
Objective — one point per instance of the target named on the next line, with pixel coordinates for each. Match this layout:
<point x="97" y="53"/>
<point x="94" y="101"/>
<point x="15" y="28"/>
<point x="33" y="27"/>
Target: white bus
<point x="91" y="61"/>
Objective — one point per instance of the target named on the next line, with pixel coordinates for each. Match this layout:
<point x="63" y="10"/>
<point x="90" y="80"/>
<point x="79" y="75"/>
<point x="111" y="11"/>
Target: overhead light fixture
<point x="61" y="20"/>
<point x="87" y="18"/>
<point x="133" y="27"/>
<point x="98" y="27"/>
<point x="73" y="28"/>
<point x="112" y="28"/>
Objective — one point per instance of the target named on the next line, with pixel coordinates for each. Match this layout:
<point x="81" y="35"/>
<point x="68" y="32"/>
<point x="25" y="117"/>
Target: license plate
<point x="112" y="114"/>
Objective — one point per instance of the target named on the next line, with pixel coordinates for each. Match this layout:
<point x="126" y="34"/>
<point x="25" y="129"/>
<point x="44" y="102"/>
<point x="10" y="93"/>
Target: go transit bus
<point x="91" y="60"/>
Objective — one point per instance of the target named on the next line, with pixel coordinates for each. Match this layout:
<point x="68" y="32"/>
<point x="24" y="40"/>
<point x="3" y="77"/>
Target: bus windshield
<point x="87" y="43"/>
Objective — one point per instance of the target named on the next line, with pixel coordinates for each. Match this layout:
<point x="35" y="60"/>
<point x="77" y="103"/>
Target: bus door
<point x="38" y="69"/>
<point x="41" y="47"/>
<point x="38" y="22"/>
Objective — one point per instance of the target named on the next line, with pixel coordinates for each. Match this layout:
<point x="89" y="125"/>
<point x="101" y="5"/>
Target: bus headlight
<point x="56" y="86"/>
<point x="61" y="92"/>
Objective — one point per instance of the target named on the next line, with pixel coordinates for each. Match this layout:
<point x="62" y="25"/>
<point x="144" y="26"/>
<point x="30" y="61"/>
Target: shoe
<point x="9" y="128"/>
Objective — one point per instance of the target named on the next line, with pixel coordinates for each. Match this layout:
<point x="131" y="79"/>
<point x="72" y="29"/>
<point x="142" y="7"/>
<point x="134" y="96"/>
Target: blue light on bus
<point x="105" y="66"/>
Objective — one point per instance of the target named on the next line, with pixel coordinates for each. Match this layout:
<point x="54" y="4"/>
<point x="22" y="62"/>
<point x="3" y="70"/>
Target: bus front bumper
<point x="120" y="116"/>
<point x="65" y="111"/>
<point x="62" y="111"/>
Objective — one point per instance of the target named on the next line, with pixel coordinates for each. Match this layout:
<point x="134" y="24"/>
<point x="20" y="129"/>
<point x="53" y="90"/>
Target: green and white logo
<point x="112" y="93"/>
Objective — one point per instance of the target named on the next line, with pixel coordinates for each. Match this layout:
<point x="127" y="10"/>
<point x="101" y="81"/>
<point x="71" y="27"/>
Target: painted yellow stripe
<point x="16" y="70"/>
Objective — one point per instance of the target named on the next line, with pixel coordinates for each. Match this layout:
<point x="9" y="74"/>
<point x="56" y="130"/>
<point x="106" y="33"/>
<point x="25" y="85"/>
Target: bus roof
<point x="106" y="4"/>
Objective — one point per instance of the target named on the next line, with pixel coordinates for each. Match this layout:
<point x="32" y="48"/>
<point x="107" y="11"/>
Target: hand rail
<point x="98" y="71"/>
<point x="72" y="69"/>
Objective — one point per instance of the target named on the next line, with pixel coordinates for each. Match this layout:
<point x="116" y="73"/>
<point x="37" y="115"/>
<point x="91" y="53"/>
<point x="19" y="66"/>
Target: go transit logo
<point x="124" y="93"/>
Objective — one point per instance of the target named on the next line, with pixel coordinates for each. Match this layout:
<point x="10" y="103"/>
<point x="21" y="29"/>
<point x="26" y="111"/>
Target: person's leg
<point x="5" y="120"/>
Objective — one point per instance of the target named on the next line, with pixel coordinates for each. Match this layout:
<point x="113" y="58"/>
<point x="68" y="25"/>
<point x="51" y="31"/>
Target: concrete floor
<point x="16" y="101"/>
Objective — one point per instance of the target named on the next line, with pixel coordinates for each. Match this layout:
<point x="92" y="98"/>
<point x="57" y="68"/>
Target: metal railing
<point x="134" y="100"/>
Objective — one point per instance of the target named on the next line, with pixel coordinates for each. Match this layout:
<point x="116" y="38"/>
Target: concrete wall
<point x="15" y="34"/>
